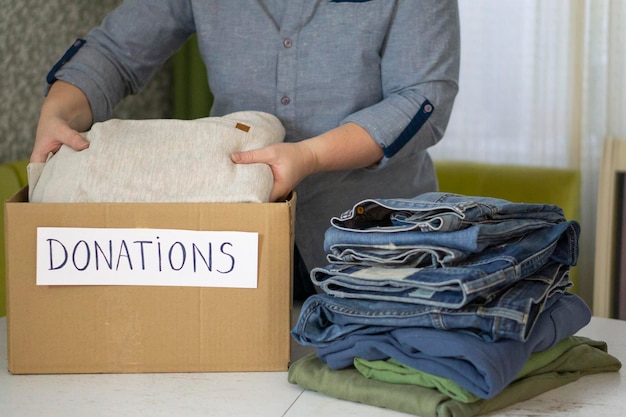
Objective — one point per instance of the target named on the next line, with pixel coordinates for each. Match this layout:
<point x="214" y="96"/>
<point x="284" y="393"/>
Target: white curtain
<point x="543" y="82"/>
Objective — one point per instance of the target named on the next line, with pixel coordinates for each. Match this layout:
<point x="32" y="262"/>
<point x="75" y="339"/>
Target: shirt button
<point x="285" y="100"/>
<point x="428" y="108"/>
<point x="287" y="43"/>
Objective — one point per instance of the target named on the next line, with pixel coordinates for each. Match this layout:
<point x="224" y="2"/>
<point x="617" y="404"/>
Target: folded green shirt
<point x="312" y="373"/>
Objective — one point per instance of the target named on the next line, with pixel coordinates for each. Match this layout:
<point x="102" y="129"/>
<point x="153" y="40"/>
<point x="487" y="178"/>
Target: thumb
<point x="43" y="148"/>
<point x="245" y="157"/>
<point x="76" y="141"/>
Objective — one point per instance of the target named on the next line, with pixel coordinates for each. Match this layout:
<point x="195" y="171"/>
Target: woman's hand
<point x="348" y="146"/>
<point x="52" y="133"/>
<point x="65" y="111"/>
<point x="290" y="163"/>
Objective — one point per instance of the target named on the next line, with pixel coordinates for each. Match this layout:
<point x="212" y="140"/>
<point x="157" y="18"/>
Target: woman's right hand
<point x="64" y="113"/>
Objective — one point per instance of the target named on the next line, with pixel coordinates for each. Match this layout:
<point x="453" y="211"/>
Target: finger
<point x="279" y="196"/>
<point x="43" y="149"/>
<point x="76" y="141"/>
<point x="37" y="156"/>
<point x="246" y="157"/>
<point x="279" y="193"/>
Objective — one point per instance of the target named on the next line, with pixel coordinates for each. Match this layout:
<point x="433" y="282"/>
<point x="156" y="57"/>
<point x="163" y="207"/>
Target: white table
<point x="268" y="393"/>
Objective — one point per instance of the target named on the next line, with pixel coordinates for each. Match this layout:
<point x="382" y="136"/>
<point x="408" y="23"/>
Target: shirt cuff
<point x="391" y="127"/>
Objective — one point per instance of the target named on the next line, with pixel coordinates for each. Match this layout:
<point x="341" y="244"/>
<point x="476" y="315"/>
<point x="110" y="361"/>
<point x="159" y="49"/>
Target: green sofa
<point x="12" y="178"/>
<point x="523" y="184"/>
<point x="514" y="183"/>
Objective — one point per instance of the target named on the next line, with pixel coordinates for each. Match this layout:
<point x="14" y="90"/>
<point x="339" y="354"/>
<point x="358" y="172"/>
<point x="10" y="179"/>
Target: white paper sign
<point x="104" y="256"/>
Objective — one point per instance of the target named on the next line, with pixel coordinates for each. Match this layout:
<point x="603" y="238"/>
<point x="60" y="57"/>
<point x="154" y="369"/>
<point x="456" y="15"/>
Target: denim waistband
<point x="392" y="255"/>
<point x="459" y="244"/>
<point x="512" y="314"/>
<point x="437" y="211"/>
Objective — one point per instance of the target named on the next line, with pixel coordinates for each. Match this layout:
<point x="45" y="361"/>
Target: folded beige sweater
<point x="161" y="161"/>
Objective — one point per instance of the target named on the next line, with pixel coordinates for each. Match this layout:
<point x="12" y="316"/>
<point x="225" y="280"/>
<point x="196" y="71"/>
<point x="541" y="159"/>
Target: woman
<point x="362" y="88"/>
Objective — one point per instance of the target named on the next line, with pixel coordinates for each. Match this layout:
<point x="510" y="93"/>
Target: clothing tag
<point x="379" y="273"/>
<point x="243" y="127"/>
<point x="422" y="293"/>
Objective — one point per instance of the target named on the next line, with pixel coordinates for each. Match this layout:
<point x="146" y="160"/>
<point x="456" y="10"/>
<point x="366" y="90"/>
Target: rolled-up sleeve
<point x="420" y="69"/>
<point x="122" y="54"/>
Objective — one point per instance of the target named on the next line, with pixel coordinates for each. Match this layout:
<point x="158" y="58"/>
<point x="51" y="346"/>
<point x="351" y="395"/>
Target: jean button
<point x="285" y="100"/>
<point x="287" y="43"/>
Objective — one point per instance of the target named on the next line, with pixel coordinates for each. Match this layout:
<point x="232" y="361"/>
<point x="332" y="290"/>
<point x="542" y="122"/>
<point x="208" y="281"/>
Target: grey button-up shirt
<point x="389" y="66"/>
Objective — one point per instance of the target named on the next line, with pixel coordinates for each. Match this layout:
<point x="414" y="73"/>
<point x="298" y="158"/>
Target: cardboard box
<point x="123" y="329"/>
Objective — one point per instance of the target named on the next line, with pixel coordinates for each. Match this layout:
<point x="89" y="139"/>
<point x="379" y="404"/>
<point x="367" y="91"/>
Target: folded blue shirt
<point x="483" y="368"/>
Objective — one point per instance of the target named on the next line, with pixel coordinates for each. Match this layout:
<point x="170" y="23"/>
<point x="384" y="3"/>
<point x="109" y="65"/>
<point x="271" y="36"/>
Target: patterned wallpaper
<point x="34" y="34"/>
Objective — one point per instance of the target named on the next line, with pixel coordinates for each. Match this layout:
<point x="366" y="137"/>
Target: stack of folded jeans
<point x="460" y="288"/>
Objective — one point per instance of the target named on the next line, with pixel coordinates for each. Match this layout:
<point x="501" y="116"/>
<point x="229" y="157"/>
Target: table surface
<point x="269" y="394"/>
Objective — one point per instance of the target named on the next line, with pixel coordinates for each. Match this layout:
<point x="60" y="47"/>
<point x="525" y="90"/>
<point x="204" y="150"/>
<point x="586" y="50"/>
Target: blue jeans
<point x="442" y="212"/>
<point x="394" y="255"/>
<point x="400" y="231"/>
<point x="478" y="277"/>
<point x="511" y="314"/>
<point x="483" y="368"/>
<point x="416" y="248"/>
